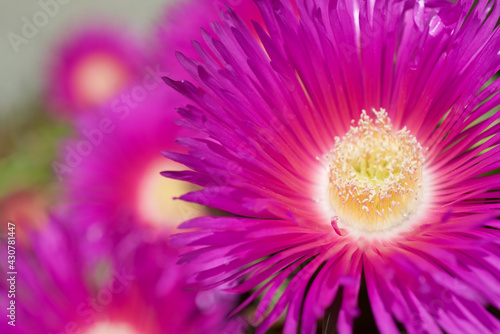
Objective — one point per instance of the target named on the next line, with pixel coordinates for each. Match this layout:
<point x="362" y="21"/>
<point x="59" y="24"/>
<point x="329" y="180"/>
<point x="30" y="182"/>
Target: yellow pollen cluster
<point x="375" y="174"/>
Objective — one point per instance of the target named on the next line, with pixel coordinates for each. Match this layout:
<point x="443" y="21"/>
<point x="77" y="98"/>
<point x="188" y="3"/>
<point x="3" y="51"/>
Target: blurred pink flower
<point x="92" y="64"/>
<point x="361" y="144"/>
<point x="27" y="208"/>
<point x="181" y="25"/>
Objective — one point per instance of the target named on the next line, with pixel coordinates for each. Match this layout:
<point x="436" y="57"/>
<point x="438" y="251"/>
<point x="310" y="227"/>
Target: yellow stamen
<point x="375" y="174"/>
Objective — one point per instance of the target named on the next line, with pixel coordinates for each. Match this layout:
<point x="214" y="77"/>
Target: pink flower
<point x="360" y="144"/>
<point x="91" y="66"/>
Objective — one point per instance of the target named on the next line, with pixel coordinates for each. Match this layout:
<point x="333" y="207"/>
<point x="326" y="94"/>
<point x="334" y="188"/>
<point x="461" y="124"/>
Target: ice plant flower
<point x="56" y="292"/>
<point x="92" y="64"/>
<point x="361" y="144"/>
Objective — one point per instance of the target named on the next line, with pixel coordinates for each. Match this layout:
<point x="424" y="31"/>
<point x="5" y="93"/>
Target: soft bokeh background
<point x="22" y="72"/>
<point x="32" y="137"/>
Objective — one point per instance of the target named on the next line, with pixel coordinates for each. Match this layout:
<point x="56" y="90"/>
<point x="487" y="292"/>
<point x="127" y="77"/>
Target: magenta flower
<point x="117" y="201"/>
<point x="359" y="145"/>
<point x="57" y="292"/>
<point x="92" y="65"/>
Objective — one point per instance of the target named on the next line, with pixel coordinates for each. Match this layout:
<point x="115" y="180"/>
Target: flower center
<point x="375" y="175"/>
<point x="98" y="77"/>
<point x="111" y="328"/>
